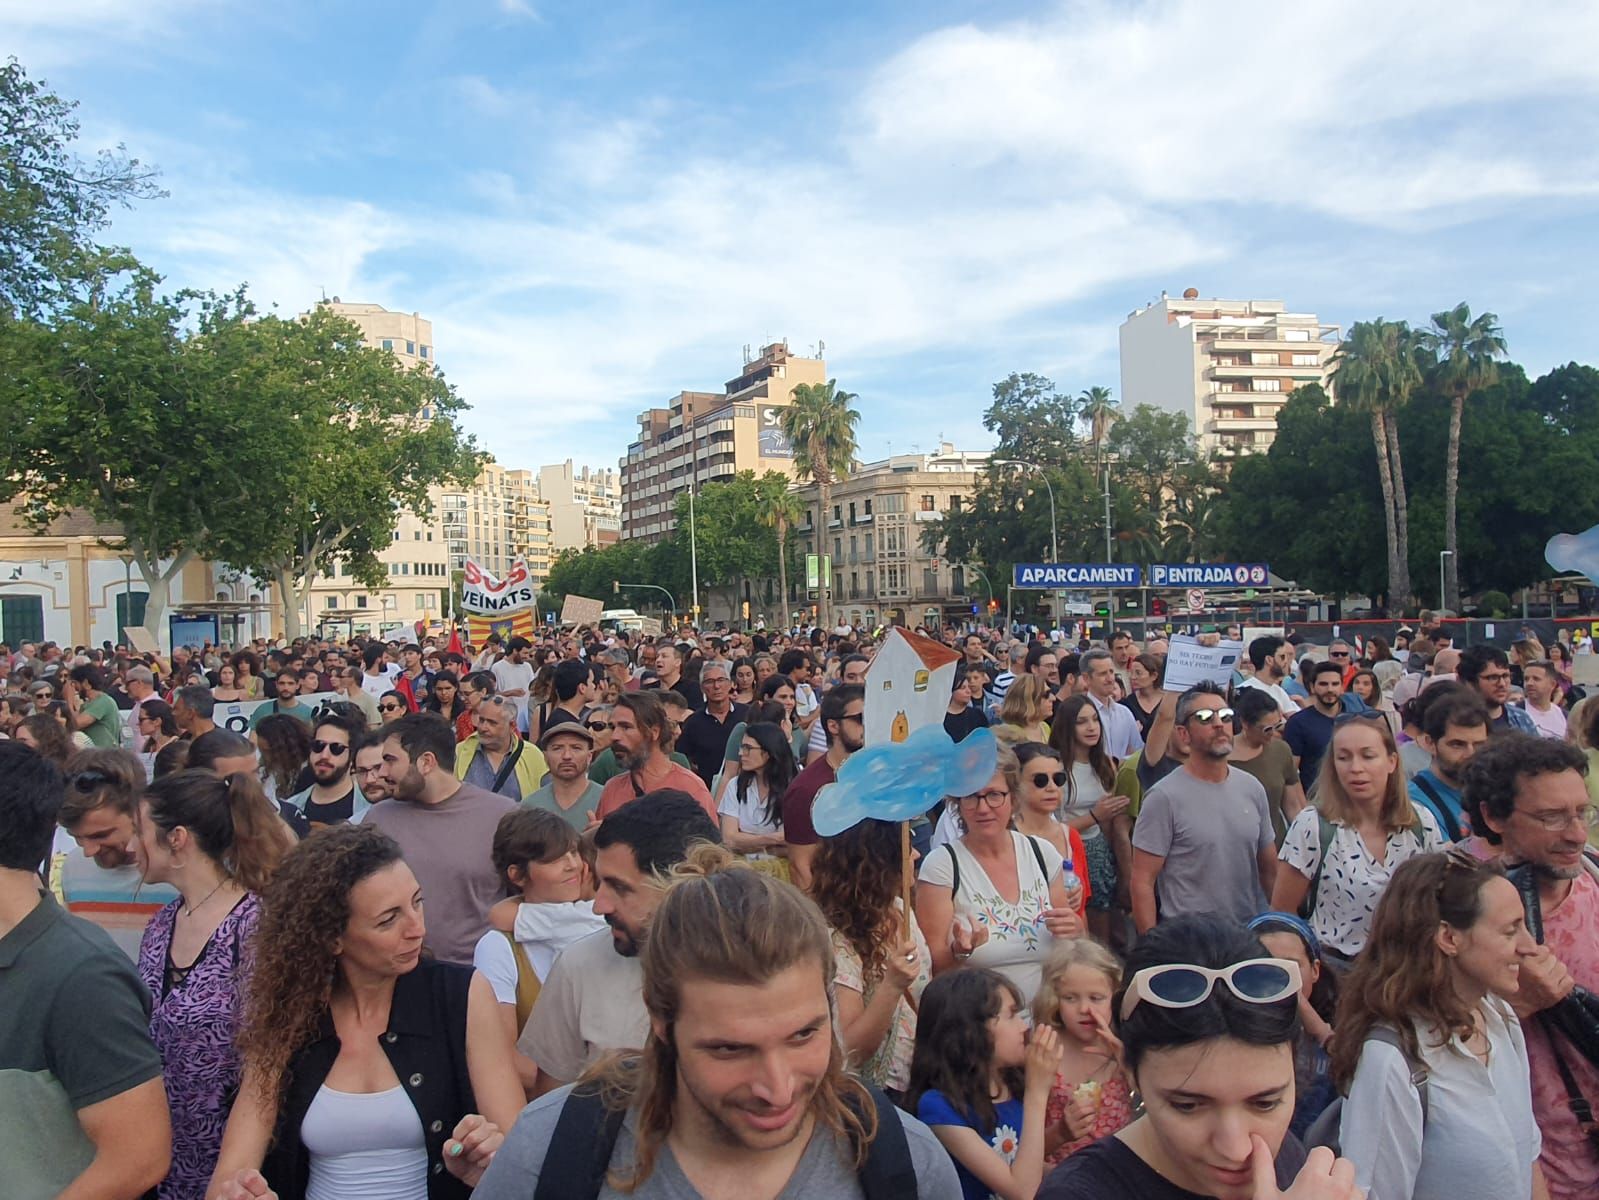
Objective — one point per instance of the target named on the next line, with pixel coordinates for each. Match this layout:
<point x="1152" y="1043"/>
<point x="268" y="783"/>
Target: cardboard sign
<point x="1188" y="663"/>
<point x="140" y="640"/>
<point x="580" y="610"/>
<point x="908" y="686"/>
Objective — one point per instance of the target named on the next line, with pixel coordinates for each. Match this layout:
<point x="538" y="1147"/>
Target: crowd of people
<point x="552" y="920"/>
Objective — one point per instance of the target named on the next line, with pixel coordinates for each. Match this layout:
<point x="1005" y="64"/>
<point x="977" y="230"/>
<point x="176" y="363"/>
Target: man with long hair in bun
<point x="741" y="1087"/>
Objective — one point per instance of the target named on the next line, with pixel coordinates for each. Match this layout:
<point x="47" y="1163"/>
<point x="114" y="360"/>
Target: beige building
<point x="409" y="336"/>
<point x="1227" y="365"/>
<point x="881" y="573"/>
<point x="706" y="436"/>
<point x="494" y="521"/>
<point x="585" y="505"/>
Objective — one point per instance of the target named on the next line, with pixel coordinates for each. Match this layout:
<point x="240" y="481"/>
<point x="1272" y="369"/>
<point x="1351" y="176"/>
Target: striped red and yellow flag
<point x="523" y="622"/>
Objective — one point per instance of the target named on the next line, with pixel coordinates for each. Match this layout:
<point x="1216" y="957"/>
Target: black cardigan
<point x="426" y="1045"/>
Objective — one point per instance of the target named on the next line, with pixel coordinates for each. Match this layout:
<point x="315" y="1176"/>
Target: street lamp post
<point x="1054" y="539"/>
<point x="127" y="592"/>
<point x="619" y="585"/>
<point x="1442" y="594"/>
<point x="1110" y="595"/>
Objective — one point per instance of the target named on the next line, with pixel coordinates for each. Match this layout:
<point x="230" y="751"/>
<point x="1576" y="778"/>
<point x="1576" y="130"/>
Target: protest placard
<point x="1189" y="661"/>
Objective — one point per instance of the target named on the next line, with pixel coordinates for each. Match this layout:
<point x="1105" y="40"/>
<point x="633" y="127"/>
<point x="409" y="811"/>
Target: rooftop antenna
<point x="821" y="349"/>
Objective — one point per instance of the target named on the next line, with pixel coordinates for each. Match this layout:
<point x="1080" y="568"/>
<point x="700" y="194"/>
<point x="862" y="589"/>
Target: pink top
<point x="1115" y="1112"/>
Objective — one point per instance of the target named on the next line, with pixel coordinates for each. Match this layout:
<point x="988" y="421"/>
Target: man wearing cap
<point x="569" y="793"/>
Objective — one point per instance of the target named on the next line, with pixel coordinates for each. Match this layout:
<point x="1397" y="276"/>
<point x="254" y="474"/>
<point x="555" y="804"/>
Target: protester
<point x="569" y="793"/>
<point x="591" y="1001"/>
<point x="156" y="726"/>
<point x="981" y="1084"/>
<point x="740" y="1088"/>
<point x="1309" y="730"/>
<point x="751" y="810"/>
<point x="882" y="959"/>
<point x="1037" y="788"/>
<point x="368" y="767"/>
<point x="392" y="705"/>
<point x="965" y="711"/>
<point x="641" y="736"/>
<point x="1029" y="705"/>
<point x="1203" y="841"/>
<point x="1286" y="935"/>
<point x="46" y="734"/>
<point x="1259" y="751"/>
<point x="286" y="689"/>
<point x="1089" y="1098"/>
<point x="704" y="735"/>
<point x="994" y="897"/>
<point x="227" y="689"/>
<point x="496" y="758"/>
<point x="1447" y="943"/>
<point x="1092" y="808"/>
<point x="1541" y="687"/>
<point x="1273" y="660"/>
<point x="475" y="687"/>
<point x="1207" y="1023"/>
<point x="370" y="1070"/>
<point x="217" y="841"/>
<point x="443" y="828"/>
<point x="1146" y="674"/>
<point x="1454" y="727"/>
<point x="1341" y="854"/>
<point x="284" y="743"/>
<point x="247" y="675"/>
<point x="90" y="708"/>
<point x="1365" y="687"/>
<point x="1487" y="669"/>
<point x="82" y="1111"/>
<point x="193" y="707"/>
<point x="334" y="795"/>
<point x="1526" y="799"/>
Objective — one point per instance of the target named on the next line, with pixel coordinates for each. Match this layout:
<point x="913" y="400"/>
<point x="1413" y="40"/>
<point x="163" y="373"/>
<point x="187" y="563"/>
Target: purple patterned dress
<point x="193" y="1023"/>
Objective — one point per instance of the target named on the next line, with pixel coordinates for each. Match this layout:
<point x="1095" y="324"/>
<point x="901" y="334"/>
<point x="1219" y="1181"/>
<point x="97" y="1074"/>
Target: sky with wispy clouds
<point x="600" y="204"/>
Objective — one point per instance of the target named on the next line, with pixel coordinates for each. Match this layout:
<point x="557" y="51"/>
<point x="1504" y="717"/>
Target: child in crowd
<point x="1090" y="1098"/>
<point x="980" y="1085"/>
<point x="1287" y="936"/>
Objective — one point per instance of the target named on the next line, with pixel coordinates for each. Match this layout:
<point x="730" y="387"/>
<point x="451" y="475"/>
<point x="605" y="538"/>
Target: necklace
<point x="191" y="909"/>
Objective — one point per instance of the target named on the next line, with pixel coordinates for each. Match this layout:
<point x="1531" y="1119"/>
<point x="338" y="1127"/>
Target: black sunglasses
<point x="333" y="748"/>
<point x="1043" y="778"/>
<point x="599" y="726"/>
<point x="86" y="781"/>
<point x="391" y="708"/>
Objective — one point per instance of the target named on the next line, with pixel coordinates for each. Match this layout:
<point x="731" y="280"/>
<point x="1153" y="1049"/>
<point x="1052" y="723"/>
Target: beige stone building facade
<point x="585" y="505"/>
<point x="1227" y="365"/>
<point x="700" y="437"/>
<point x="881" y="572"/>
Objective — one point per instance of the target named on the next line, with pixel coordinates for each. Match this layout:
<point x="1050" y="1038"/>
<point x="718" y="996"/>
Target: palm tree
<point x="820" y="424"/>
<point x="1375" y="370"/>
<point x="782" y="512"/>
<point x="1464" y="351"/>
<point x="1101" y="411"/>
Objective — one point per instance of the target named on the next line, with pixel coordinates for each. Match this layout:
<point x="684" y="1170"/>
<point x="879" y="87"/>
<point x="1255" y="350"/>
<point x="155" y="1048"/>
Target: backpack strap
<point x="527" y="983"/>
<point x="1451" y="822"/>
<point x="955" y="869"/>
<point x="1418" y="1070"/>
<point x="586" y="1134"/>
<point x="887" y="1173"/>
<point x="1325" y="832"/>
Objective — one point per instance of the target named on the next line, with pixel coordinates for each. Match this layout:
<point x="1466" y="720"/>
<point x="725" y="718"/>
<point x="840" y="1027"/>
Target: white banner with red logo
<point x="481" y="592"/>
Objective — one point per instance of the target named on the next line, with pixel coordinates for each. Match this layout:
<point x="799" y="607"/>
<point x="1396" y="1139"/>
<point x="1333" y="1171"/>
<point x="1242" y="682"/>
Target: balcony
<point x="929" y="516"/>
<point x="1262" y="370"/>
<point x="1257" y="423"/>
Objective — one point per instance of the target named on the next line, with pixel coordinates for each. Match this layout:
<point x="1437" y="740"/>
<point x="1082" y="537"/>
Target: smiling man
<point x="741" y="1088"/>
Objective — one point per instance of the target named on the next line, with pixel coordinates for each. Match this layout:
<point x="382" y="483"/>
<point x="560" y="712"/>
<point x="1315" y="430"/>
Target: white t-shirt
<point x="1086" y="791"/>
<point x="1285" y="702"/>
<point x="376" y="685"/>
<point x="592" y="1002"/>
<point x="543" y="931"/>
<point x="1018" y="942"/>
<point x="751" y="811"/>
<point x="509" y="676"/>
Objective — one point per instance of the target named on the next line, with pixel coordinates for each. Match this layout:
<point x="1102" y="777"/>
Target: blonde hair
<point x="1328" y="795"/>
<point x="1024" y="701"/>
<point x="720" y="919"/>
<point x="1066" y="954"/>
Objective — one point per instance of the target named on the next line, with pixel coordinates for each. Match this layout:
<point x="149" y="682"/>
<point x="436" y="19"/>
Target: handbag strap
<point x="1579" y="1104"/>
<point x="507" y="766"/>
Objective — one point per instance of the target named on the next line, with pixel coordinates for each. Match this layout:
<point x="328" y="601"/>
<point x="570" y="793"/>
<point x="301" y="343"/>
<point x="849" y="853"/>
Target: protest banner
<point x="1190" y="661"/>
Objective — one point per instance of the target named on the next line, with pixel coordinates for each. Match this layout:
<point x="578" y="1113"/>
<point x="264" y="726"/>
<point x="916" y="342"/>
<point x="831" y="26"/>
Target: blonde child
<point x="1090" y="1098"/>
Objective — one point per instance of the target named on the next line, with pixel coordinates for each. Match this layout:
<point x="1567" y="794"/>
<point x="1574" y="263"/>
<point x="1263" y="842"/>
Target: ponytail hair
<point x="231" y="820"/>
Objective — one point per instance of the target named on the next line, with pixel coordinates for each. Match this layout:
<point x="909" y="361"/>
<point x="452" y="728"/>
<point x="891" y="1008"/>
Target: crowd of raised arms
<point x="551" y="920"/>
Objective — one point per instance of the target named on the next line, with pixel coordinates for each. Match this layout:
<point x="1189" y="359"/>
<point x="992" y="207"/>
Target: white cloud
<point x="46" y="34"/>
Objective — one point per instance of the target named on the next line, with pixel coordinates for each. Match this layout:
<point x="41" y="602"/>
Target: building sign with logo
<point x="1077" y="575"/>
<point x="1209" y="575"/>
<point x="774" y="442"/>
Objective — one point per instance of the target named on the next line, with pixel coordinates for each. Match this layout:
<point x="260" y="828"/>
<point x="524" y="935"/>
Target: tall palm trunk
<point x="1401" y="515"/>
<point x="1457" y="405"/>
<point x="824" y="591"/>
<point x="782" y="570"/>
<point x="1379" y="439"/>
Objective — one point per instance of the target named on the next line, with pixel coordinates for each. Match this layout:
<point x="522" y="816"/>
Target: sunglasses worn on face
<point x="391" y="707"/>
<point x="599" y="726"/>
<point x="1042" y="779"/>
<point x="1206" y="716"/>
<point x="1182" y="985"/>
<point x="334" y="748"/>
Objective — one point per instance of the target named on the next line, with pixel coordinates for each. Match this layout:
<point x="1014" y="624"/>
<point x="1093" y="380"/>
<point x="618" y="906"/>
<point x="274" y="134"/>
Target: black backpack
<point x="586" y="1133"/>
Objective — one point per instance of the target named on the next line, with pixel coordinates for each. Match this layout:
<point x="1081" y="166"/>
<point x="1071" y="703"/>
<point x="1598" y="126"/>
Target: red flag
<point x="455" y="646"/>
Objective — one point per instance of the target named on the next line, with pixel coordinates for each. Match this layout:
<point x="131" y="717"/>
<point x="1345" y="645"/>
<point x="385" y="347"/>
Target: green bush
<point x="1493" y="604"/>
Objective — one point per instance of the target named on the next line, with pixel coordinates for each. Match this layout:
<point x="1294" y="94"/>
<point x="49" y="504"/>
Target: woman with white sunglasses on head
<point x="1207" y="1022"/>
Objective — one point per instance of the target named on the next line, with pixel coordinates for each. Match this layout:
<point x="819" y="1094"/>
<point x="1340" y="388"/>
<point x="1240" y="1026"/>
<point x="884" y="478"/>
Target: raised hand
<point x="903" y="967"/>
<point x="1044" y="1051"/>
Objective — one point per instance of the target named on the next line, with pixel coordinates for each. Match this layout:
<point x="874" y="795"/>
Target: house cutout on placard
<point x="907" y="686"/>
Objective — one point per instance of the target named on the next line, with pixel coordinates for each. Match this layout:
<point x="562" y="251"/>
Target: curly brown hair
<point x="304" y="912"/>
<point x="855" y="880"/>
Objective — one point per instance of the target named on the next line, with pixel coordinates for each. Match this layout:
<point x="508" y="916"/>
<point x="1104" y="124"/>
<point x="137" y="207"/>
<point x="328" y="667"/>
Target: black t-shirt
<point x="340" y="810"/>
<point x="703" y="739"/>
<point x="1151" y="773"/>
<point x="960" y="725"/>
<point x="1109" y="1170"/>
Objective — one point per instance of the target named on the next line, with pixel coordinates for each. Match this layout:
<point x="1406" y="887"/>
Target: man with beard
<point x="333" y="797"/>
<point x="496" y="758"/>
<point x="592" y="1000"/>
<point x="287" y="688"/>
<point x="641" y="738"/>
<point x="98" y="879"/>
<point x="1487" y="669"/>
<point x="842" y="715"/>
<point x="368" y="767"/>
<point x="741" y="1088"/>
<point x="1527" y="796"/>
<point x="445" y="829"/>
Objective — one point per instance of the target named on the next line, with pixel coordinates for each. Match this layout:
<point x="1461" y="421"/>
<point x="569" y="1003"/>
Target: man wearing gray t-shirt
<point x="1203" y="842"/>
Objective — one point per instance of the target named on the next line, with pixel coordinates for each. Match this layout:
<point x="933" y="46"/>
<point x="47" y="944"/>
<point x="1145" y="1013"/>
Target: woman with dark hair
<point x="370" y="1071"/>
<point x="1093" y="809"/>
<point x="392" y="705"/>
<point x="1367" y="688"/>
<point x="247" y="674"/>
<point x="444" y="697"/>
<point x="883" y="961"/>
<point x="47" y="735"/>
<point x="1146" y="674"/>
<point x="750" y="808"/>
<point x="284" y="743"/>
<point x="1426" y="996"/>
<point x="744" y="682"/>
<point x="170" y="759"/>
<point x="157" y="725"/>
<point x="1207" y="1021"/>
<point x="1037" y="784"/>
<point x="217" y="841"/>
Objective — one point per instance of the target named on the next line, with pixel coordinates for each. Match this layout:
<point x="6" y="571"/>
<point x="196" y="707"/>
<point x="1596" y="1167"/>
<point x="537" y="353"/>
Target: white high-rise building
<point x="1227" y="365"/>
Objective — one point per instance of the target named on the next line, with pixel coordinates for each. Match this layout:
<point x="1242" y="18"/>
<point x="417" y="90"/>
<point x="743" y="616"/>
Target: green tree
<point x="1464" y="350"/>
<point x="820" y="424"/>
<point x="736" y="544"/>
<point x="1032" y="420"/>
<point x="1376" y="369"/>
<point x="1149" y="447"/>
<point x="52" y="202"/>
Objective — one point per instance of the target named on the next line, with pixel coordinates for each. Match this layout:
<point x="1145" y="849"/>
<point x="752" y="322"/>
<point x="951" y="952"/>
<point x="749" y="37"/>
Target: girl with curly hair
<point x="883" y="961"/>
<point x="284" y="744"/>
<point x="369" y="1070"/>
<point x="981" y="1084"/>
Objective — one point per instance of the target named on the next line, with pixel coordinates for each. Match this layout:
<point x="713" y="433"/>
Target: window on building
<point x="360" y="601"/>
<point x="853" y="557"/>
<point x="388" y="343"/>
<point x="430" y="535"/>
<point x="868" y="546"/>
<point x="929" y="581"/>
<point x="868" y="507"/>
<point x="1260" y="358"/>
<point x="125" y="617"/>
<point x="21" y="619"/>
<point x="410" y="347"/>
<point x="421" y="604"/>
<point x="894" y="502"/>
<point x="954" y="504"/>
<point x="1267" y="385"/>
<point x="957" y="581"/>
<point x="330" y="601"/>
<point x="852" y="512"/>
<point x="396" y="535"/>
<point x="854" y="585"/>
<point x="1307" y="360"/>
<point x="928" y="504"/>
<point x="424" y="351"/>
<point x="1296" y="335"/>
<point x="835" y="512"/>
<point x="838" y="550"/>
<point x="416" y="535"/>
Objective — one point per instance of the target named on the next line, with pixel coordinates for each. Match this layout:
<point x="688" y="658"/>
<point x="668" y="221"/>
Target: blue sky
<point x="599" y="205"/>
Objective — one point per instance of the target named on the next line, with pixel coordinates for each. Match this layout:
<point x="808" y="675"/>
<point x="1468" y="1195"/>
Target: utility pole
<point x="1110" y="596"/>
<point x="693" y="539"/>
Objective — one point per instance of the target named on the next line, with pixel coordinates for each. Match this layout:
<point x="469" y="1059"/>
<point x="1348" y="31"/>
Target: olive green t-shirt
<point x="106" y="732"/>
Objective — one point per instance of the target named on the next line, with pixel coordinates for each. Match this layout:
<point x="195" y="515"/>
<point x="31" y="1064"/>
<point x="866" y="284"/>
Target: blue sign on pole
<point x="1051" y="576"/>
<point x="1209" y="575"/>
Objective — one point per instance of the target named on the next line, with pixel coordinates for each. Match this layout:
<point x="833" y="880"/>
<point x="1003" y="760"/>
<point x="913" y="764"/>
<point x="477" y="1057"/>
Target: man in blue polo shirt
<point x="1454" y="726"/>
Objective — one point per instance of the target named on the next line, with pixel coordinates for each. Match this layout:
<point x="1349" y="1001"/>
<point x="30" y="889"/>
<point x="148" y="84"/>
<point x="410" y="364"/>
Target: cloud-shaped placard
<point x="1575" y="552"/>
<point x="896" y="781"/>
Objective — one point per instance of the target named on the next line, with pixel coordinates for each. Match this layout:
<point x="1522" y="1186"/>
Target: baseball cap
<point x="574" y="727"/>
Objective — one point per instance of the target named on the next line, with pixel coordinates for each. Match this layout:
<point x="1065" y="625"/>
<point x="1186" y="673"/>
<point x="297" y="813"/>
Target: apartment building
<point x="585" y="505"/>
<point x="881" y="570"/>
<point x="1227" y="365"/>
<point x="499" y="518"/>
<point x="408" y="336"/>
<point x="700" y="437"/>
